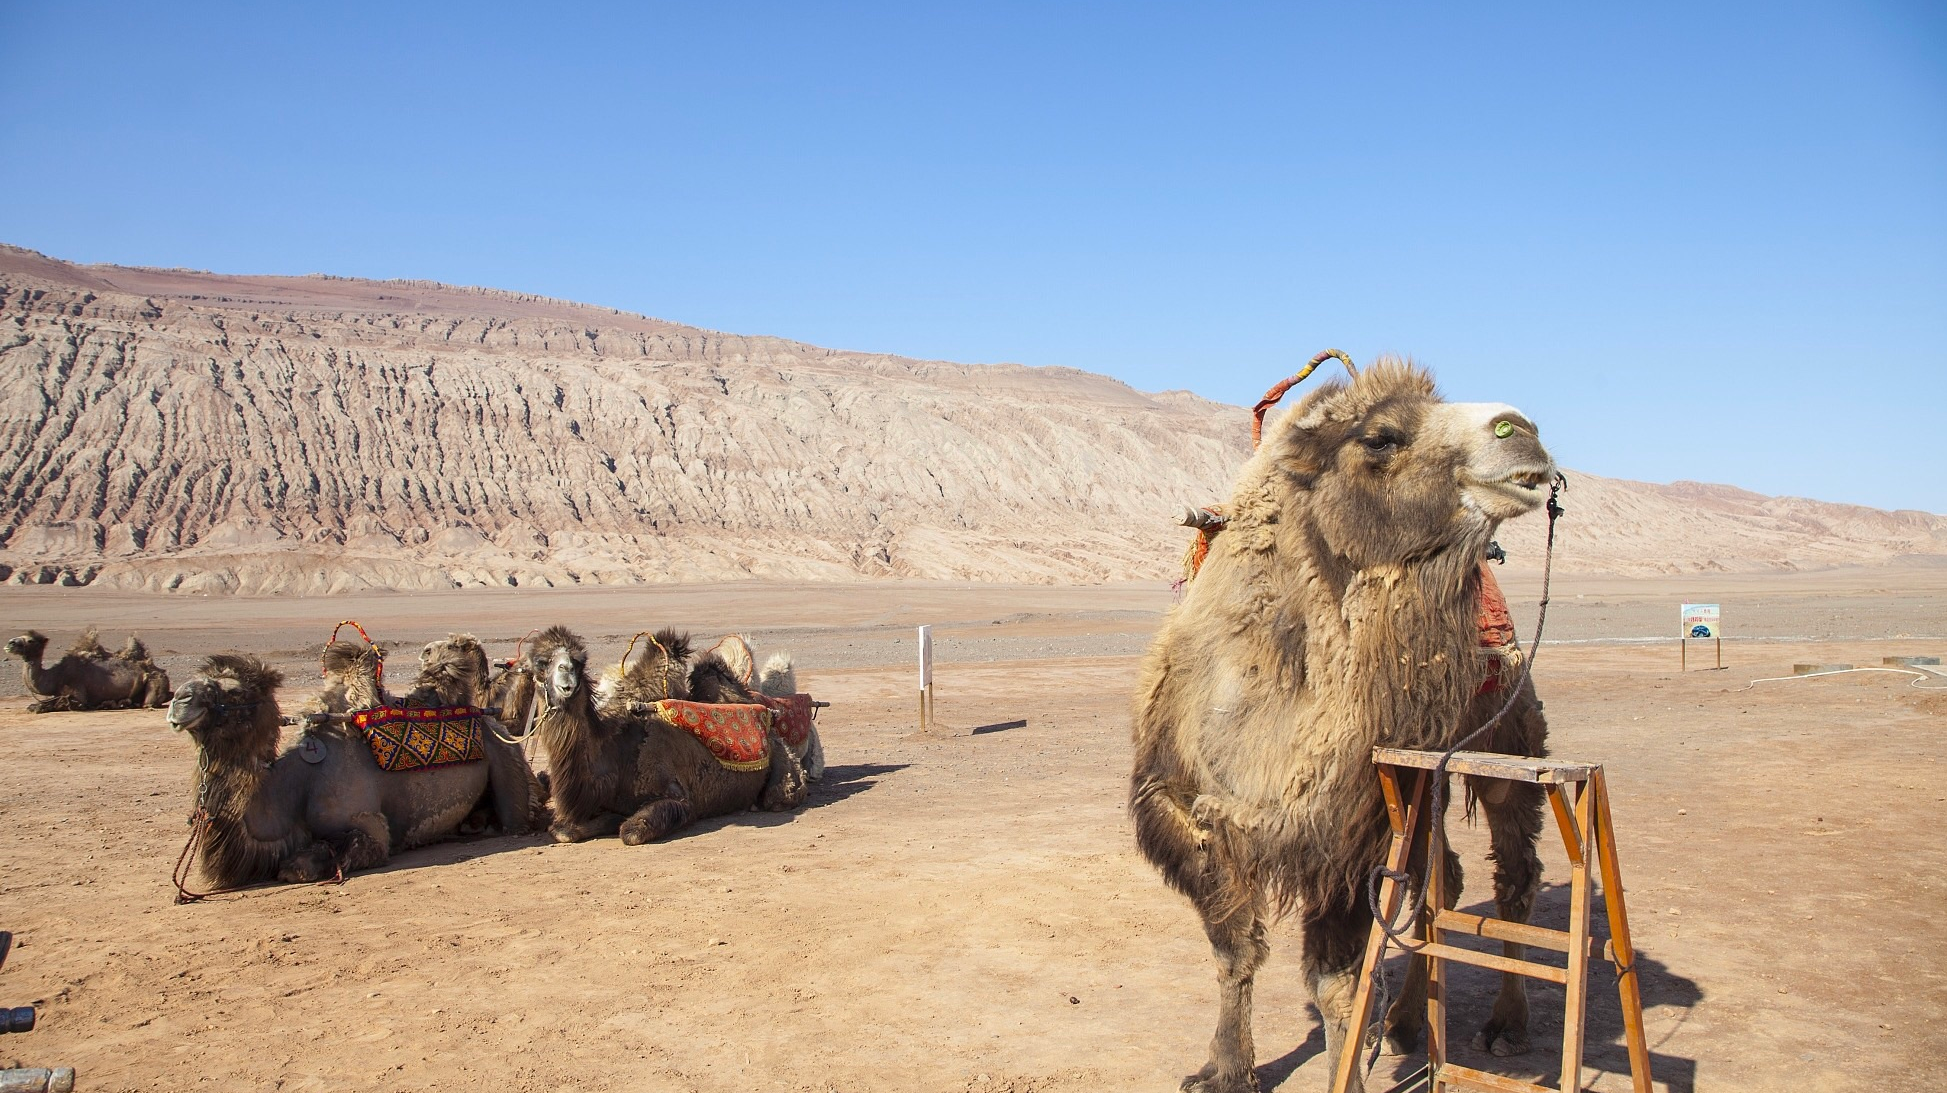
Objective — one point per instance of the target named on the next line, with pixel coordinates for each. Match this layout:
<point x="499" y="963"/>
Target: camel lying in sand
<point x="324" y="806"/>
<point x="89" y="677"/>
<point x="615" y="770"/>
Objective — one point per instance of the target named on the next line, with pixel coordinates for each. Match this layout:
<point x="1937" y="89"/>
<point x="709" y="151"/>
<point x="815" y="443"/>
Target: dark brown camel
<point x="615" y="770"/>
<point x="89" y="677"/>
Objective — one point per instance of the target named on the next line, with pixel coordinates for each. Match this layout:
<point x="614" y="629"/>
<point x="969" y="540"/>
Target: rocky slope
<point x="173" y="430"/>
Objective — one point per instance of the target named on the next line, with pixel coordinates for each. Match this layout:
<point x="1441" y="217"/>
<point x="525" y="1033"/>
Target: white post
<point x="925" y="676"/>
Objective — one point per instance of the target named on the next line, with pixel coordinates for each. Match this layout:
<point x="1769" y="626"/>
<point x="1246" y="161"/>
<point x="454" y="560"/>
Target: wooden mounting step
<point x="1579" y="797"/>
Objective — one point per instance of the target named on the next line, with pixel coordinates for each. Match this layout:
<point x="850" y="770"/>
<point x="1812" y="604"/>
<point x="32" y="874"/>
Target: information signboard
<point x="1700" y="621"/>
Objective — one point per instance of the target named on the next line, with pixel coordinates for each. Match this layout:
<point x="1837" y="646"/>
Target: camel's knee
<point x="1166" y="834"/>
<point x="308" y="865"/>
<point x="785" y="787"/>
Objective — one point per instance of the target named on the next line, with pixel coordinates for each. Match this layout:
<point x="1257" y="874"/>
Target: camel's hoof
<point x="1502" y="1043"/>
<point x="308" y="866"/>
<point x="1403" y="1041"/>
<point x="1208" y="1080"/>
<point x="561" y="836"/>
<point x="635" y="834"/>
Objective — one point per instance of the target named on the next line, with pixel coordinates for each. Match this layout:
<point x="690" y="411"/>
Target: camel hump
<point x="134" y="649"/>
<point x="778" y="678"/>
<point x="88" y="645"/>
<point x="735" y="653"/>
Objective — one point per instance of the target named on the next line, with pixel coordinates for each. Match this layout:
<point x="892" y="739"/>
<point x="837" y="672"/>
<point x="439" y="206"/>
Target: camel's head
<point x="559" y="665"/>
<point x="28" y="646"/>
<point x="229" y="704"/>
<point x="1394" y="473"/>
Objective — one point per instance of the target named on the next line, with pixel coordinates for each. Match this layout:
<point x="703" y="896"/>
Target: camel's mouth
<point x="1527" y="480"/>
<point x="1512" y="493"/>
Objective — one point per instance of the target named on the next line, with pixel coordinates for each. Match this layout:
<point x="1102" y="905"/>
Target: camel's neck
<point x="1407" y="662"/>
<point x="363" y="692"/>
<point x="252" y="814"/>
<point x="38" y="679"/>
<point x="584" y="769"/>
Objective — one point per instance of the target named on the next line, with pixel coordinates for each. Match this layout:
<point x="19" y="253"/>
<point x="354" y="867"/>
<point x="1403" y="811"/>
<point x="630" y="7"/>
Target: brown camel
<point x="1336" y="613"/>
<point x="615" y="770"/>
<point x="322" y="806"/>
<point x="89" y="677"/>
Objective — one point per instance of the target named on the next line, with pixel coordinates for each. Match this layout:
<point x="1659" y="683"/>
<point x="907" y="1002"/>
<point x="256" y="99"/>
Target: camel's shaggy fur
<point x="1335" y="613"/>
<point x="616" y="770"/>
<point x="354" y="674"/>
<point x="89" y="677"/>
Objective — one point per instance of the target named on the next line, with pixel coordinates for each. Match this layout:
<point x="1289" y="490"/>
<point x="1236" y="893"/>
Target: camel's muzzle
<point x="186" y="709"/>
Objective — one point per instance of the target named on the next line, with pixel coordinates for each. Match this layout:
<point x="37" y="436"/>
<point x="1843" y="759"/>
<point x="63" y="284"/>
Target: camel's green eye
<point x="1504" y="429"/>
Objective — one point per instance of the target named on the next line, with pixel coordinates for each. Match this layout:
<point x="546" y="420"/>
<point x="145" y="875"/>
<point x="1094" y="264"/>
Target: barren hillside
<point x="167" y="429"/>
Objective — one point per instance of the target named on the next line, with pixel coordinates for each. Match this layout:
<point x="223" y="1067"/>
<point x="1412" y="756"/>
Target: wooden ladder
<point x="1580" y="799"/>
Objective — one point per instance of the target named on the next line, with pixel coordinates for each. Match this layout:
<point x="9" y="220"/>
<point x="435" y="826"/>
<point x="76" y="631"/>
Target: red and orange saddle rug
<point x="791" y="717"/>
<point x="736" y="733"/>
<point x="403" y="739"/>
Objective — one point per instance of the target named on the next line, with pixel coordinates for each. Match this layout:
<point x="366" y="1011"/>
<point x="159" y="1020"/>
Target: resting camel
<point x="1337" y="612"/>
<point x="615" y="770"/>
<point x="324" y="805"/>
<point x="89" y="677"/>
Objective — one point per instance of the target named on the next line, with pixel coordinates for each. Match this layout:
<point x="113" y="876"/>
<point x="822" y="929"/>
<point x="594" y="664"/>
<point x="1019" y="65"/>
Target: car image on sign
<point x="1700" y="631"/>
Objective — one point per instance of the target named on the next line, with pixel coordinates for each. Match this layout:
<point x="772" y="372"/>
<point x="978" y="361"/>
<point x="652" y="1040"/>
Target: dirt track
<point x="963" y="910"/>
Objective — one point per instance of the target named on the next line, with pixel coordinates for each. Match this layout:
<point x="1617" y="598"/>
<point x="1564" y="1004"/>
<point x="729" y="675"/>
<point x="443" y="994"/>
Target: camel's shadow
<point x="1471" y="991"/>
<point x="838" y="784"/>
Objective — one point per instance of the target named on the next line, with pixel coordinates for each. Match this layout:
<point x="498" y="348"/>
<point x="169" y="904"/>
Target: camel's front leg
<point x="600" y="825"/>
<point x="1232" y="906"/>
<point x="1406" y="1020"/>
<point x="1335" y="946"/>
<point x="1514" y="823"/>
<point x="784" y="783"/>
<point x="657" y="818"/>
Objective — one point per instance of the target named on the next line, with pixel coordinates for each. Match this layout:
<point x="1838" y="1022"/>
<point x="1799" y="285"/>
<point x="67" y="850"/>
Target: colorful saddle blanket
<point x="791" y="716"/>
<point x="403" y="739"/>
<point x="735" y="733"/>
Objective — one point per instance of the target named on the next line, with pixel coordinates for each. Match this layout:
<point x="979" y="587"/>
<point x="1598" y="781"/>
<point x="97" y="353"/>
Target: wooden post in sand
<point x="925" y="677"/>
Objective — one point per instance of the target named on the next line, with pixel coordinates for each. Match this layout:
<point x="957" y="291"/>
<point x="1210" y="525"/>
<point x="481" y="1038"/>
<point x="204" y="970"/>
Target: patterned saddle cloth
<point x="403" y="739"/>
<point x="735" y="733"/>
<point x="791" y="716"/>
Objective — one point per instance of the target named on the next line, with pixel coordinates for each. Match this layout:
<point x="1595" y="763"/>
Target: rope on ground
<point x="1919" y="677"/>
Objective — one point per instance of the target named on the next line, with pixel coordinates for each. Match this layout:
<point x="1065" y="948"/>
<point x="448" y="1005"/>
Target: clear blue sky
<point x="1693" y="240"/>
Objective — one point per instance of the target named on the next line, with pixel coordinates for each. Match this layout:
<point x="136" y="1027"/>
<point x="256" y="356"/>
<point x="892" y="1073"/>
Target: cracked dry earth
<point x="960" y="909"/>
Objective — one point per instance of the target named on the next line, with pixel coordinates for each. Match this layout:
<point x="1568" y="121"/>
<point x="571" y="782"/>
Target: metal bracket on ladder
<point x="1579" y="797"/>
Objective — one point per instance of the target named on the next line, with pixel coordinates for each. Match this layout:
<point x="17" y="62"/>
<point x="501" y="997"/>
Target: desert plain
<point x="962" y="908"/>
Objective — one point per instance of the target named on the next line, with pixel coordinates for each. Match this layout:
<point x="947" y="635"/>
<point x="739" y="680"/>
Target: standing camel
<point x="1337" y="612"/>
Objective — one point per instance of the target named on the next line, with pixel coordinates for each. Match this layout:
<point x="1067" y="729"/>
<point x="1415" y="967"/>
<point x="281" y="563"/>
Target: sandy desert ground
<point x="962" y="909"/>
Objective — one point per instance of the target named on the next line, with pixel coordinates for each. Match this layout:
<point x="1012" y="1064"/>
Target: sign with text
<point x="925" y="657"/>
<point x="1700" y="621"/>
